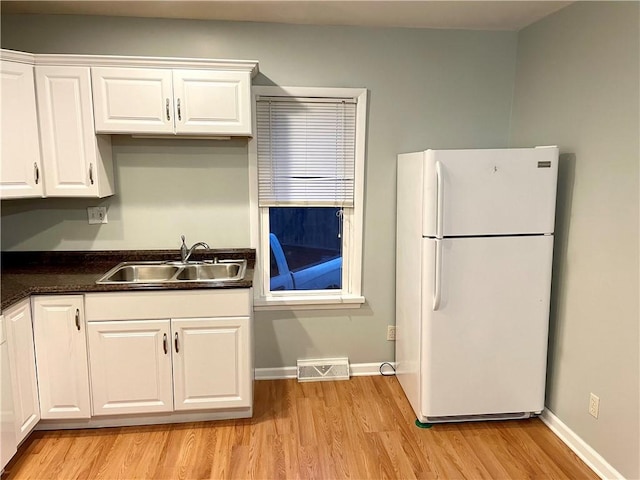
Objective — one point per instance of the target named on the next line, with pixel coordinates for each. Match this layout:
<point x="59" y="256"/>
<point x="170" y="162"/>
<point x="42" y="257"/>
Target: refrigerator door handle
<point x="439" y="201"/>
<point x="437" y="291"/>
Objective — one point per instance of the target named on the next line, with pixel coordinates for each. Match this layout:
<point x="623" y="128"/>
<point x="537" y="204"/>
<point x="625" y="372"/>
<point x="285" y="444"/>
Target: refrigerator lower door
<point x="485" y="313"/>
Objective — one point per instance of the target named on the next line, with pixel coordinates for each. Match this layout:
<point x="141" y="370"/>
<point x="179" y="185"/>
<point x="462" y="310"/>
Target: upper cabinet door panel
<point x="66" y="126"/>
<point x="132" y="100"/>
<point x="20" y="172"/>
<point x="212" y="103"/>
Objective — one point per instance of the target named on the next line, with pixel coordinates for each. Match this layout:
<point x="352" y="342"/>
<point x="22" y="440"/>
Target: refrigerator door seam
<point x="493" y="235"/>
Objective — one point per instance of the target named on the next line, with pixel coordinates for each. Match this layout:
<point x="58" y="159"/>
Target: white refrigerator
<point x="473" y="279"/>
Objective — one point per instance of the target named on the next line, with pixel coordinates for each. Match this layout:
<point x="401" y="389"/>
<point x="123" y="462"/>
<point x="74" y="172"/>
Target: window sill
<point x="308" y="302"/>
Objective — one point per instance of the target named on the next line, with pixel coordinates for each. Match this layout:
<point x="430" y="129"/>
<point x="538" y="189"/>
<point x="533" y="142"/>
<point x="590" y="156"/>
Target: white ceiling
<point x="472" y="14"/>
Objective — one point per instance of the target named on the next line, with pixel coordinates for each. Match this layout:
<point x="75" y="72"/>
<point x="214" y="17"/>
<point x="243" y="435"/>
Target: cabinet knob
<point x="164" y="344"/>
<point x="179" y="111"/>
<point x="91" y="173"/>
<point x="176" y="343"/>
<point x="36" y="172"/>
<point x="78" y="319"/>
<point x="167" y="107"/>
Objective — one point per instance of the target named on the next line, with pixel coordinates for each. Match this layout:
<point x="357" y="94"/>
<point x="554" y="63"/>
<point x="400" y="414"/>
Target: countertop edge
<point x="42" y="273"/>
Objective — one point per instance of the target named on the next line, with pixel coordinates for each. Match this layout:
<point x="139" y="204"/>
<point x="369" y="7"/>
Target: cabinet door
<point x="7" y="414"/>
<point x="61" y="356"/>
<point x="132" y="100"/>
<point x="130" y="366"/>
<point x="22" y="362"/>
<point x="211" y="363"/>
<point x="212" y="103"/>
<point x="72" y="155"/>
<point x="20" y="171"/>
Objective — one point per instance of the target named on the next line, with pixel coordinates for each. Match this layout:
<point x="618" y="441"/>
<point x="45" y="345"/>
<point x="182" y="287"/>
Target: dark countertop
<point x="34" y="273"/>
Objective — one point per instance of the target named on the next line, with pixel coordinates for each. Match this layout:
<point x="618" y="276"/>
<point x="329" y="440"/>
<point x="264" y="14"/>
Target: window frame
<point x="350" y="296"/>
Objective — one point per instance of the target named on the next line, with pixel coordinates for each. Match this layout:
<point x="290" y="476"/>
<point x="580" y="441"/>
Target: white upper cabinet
<point x="212" y="102"/>
<point x="55" y="108"/>
<point x="132" y="100"/>
<point x="21" y="170"/>
<point x="77" y="163"/>
<point x="171" y="101"/>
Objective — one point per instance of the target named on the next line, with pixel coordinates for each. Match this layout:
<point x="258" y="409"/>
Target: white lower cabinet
<point x="22" y="363"/>
<point x="7" y="415"/>
<point x="210" y="363"/>
<point x="146" y="366"/>
<point x="61" y="356"/>
<point x="130" y="366"/>
<point x="106" y="359"/>
<point x="142" y="365"/>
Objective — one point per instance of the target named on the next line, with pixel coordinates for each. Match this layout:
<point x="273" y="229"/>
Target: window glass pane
<point x="306" y="248"/>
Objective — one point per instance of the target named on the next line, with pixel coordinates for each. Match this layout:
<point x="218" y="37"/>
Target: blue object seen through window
<point x="306" y="248"/>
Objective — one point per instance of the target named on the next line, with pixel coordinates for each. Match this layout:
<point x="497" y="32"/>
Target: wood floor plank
<point x="391" y="440"/>
<point x="555" y="452"/>
<point x="485" y="453"/>
<point x="221" y="466"/>
<point x="357" y="429"/>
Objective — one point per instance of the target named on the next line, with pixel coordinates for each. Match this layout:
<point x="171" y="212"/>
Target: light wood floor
<point x="358" y="429"/>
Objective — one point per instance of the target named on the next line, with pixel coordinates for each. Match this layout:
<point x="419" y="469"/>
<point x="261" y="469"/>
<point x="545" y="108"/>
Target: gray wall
<point x="427" y="89"/>
<point x="577" y="85"/>
<point x="164" y="188"/>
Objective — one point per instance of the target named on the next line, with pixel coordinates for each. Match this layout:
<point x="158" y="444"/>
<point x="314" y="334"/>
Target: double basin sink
<point x="153" y="273"/>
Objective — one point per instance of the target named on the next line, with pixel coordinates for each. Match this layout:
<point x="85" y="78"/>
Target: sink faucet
<point x="185" y="252"/>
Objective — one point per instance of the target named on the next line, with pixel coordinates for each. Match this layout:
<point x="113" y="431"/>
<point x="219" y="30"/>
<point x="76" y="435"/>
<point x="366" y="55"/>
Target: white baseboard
<point x="367" y="369"/>
<point x="355" y="370"/>
<point x="278" y="373"/>
<point x="582" y="449"/>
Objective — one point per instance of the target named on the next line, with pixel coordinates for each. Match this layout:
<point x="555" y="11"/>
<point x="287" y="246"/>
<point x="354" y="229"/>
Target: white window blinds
<point x="306" y="151"/>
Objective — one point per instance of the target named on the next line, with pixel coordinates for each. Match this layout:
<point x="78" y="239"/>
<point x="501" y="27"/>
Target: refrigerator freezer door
<point x="484" y="347"/>
<point x="489" y="192"/>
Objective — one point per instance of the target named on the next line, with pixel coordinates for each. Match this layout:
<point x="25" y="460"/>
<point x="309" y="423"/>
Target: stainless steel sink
<point x="204" y="272"/>
<point x="140" y="273"/>
<point x="152" y="273"/>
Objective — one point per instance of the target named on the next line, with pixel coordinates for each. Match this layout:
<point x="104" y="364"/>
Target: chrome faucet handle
<point x="183" y="249"/>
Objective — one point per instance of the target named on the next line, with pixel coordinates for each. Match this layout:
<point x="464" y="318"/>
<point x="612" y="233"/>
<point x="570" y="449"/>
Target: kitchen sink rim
<point x="174" y="278"/>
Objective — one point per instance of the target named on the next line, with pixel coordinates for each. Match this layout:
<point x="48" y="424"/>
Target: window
<point x="307" y="169"/>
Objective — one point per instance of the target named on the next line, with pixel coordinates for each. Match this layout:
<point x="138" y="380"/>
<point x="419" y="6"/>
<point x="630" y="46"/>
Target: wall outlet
<point x="594" y="405"/>
<point x="97" y="215"/>
<point x="391" y="332"/>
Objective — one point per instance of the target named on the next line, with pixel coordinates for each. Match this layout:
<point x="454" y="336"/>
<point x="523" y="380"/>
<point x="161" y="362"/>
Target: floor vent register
<point x="314" y="370"/>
